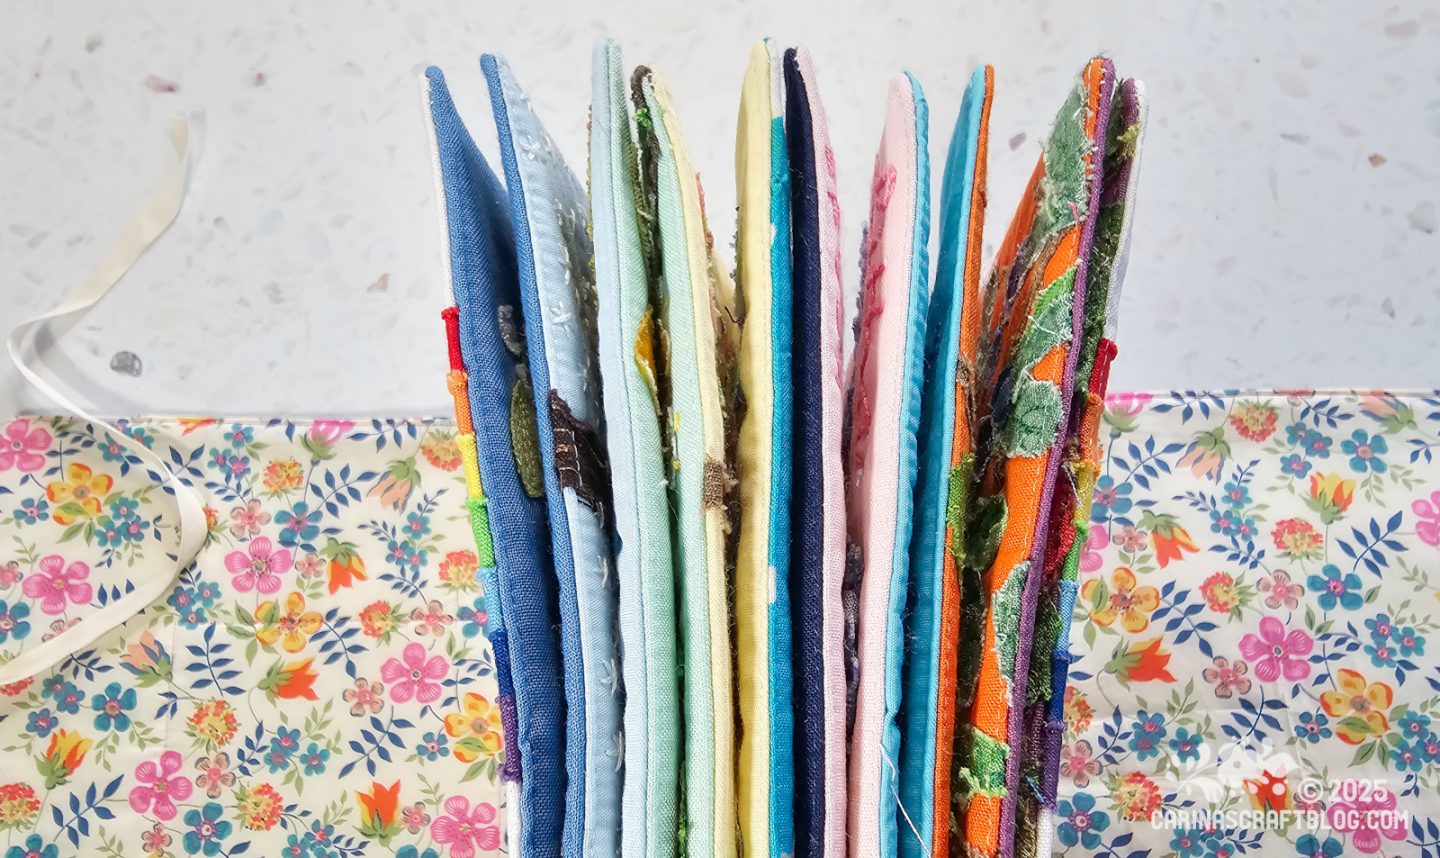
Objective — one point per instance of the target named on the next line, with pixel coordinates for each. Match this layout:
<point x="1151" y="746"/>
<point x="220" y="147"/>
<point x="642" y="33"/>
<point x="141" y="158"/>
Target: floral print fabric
<point x="318" y="683"/>
<point x="1255" y="629"/>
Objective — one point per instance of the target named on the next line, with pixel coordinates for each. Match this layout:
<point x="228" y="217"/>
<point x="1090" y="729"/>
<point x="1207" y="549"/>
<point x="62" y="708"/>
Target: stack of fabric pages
<point x="744" y="598"/>
<point x="712" y="561"/>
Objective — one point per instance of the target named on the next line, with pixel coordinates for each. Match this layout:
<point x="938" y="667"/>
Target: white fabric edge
<point x="155" y="216"/>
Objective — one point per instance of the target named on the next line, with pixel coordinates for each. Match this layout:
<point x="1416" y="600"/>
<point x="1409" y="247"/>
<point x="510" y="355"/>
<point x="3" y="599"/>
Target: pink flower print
<point x="1365" y="820"/>
<point x="57" y="628"/>
<point x="156" y="839"/>
<point x="1428" y="511"/>
<point x="10" y="573"/>
<point x="415" y="817"/>
<point x="1305" y="804"/>
<point x="56" y="584"/>
<point x="1131" y="540"/>
<point x="1228" y="677"/>
<point x="260" y="569"/>
<point x="1274" y="652"/>
<point x="215" y="775"/>
<point x="246" y="521"/>
<point x="465" y="829"/>
<point x="1202" y="461"/>
<point x="329" y="431"/>
<point x="310" y="566"/>
<point x="159" y="789"/>
<point x="1280" y="591"/>
<point x="23" y="447"/>
<point x="1078" y="763"/>
<point x="365" y="697"/>
<point x="431" y="619"/>
<point x="1379" y="406"/>
<point x="414" y="675"/>
<point x="1090" y="559"/>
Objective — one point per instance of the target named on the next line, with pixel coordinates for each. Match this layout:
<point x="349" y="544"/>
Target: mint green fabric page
<point x="632" y="372"/>
<point x="697" y="477"/>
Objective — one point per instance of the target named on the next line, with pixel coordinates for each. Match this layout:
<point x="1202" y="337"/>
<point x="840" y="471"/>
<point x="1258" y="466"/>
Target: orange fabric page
<point x="964" y="444"/>
<point x="1022" y="476"/>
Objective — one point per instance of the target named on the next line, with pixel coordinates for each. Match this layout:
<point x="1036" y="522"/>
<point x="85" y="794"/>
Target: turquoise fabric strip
<point x="927" y="545"/>
<point x="782" y="711"/>
<point x="911" y="382"/>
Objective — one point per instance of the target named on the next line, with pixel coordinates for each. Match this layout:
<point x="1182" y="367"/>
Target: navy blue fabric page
<point x="807" y="511"/>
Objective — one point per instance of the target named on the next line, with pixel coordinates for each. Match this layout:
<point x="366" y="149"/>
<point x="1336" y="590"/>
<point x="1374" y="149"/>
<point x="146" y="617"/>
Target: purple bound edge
<point x="510" y="723"/>
<point x="1030" y="595"/>
<point x="1113" y="191"/>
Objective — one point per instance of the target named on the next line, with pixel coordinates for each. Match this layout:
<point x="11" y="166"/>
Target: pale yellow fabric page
<point x="752" y="567"/>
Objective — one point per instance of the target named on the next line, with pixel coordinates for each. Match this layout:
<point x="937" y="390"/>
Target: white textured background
<point x="1286" y="234"/>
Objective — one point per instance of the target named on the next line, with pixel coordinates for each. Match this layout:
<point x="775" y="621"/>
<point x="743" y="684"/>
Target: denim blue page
<point x="483" y="268"/>
<point x="558" y="296"/>
<point x="640" y="498"/>
<point x="782" y="711"/>
<point x="807" y="498"/>
<point x="936" y="444"/>
<point x="909" y="423"/>
<point x="464" y="233"/>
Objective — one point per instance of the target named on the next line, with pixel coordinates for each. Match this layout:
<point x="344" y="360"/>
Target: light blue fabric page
<point x="631" y="363"/>
<point x="557" y="293"/>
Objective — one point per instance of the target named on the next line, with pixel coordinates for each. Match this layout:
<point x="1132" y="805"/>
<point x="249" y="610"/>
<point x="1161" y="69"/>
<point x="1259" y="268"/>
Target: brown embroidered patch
<point x="715" y="488"/>
<point x="579" y="464"/>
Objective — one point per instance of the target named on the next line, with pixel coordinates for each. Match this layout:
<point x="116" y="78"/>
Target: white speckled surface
<point x="1287" y="231"/>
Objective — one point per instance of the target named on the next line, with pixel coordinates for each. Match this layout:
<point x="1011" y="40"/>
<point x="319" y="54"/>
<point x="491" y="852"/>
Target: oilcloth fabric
<point x="766" y="770"/>
<point x="557" y="295"/>
<point x="698" y="314"/>
<point x="946" y="464"/>
<point x="480" y="258"/>
<point x="1034" y="309"/>
<point x="817" y="563"/>
<point x="633" y="368"/>
<point x="884" y="415"/>
<point x="1074" y="488"/>
<point x="1255" y="628"/>
<point x="318" y="680"/>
